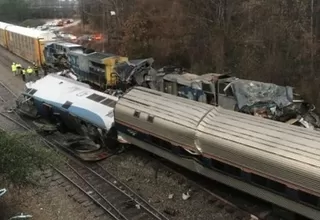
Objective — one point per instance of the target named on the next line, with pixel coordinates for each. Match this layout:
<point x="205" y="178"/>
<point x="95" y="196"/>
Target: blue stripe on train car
<point x="77" y="111"/>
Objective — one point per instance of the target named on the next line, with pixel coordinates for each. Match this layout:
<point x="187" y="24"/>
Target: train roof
<point x="276" y="149"/>
<point x="172" y="108"/>
<point x="3" y="25"/>
<point x="30" y="32"/>
<point x="82" y="101"/>
<point x="66" y="44"/>
<point x="98" y="56"/>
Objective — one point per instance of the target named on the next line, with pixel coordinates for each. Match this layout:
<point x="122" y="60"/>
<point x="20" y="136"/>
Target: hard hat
<point x="13" y="62"/>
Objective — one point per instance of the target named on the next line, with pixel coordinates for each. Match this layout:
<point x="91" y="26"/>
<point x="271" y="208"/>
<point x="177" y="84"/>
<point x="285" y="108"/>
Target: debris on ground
<point x="185" y="196"/>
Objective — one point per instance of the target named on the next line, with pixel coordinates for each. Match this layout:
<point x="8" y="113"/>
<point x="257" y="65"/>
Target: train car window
<point x="234" y="171"/>
<point x="262" y="181"/>
<point x="207" y="88"/>
<point x="136" y="114"/>
<point x="33" y="91"/>
<point x="278" y="187"/>
<point x="96" y="97"/>
<point x="110" y="114"/>
<point x="217" y="165"/>
<point x="150" y="118"/>
<point x="308" y="198"/>
<point x="109" y="102"/>
<point x="67" y="105"/>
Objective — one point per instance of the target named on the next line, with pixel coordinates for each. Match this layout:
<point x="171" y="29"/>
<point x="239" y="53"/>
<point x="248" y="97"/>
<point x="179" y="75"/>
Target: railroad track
<point x="107" y="192"/>
<point x="6" y="93"/>
<point x="116" y="199"/>
<point x="112" y="196"/>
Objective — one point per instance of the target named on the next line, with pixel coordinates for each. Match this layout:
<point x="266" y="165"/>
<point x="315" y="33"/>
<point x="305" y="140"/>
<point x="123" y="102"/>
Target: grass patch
<point x="22" y="155"/>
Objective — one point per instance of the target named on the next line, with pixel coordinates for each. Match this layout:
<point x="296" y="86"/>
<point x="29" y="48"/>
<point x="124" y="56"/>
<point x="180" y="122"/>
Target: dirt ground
<point x="48" y="201"/>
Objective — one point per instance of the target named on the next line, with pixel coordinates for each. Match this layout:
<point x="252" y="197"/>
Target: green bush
<point x="22" y="155"/>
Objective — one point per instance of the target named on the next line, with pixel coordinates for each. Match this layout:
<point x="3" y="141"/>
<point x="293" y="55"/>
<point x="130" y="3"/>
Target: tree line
<point x="16" y="11"/>
<point x="267" y="40"/>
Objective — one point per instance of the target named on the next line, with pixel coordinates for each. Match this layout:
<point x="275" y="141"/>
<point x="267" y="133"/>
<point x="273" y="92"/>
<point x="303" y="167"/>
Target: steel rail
<point x="152" y="211"/>
<point x="142" y="201"/>
<point x="86" y="193"/>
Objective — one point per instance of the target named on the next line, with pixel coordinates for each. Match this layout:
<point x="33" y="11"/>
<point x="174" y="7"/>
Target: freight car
<point x="27" y="43"/>
<point x="267" y="159"/>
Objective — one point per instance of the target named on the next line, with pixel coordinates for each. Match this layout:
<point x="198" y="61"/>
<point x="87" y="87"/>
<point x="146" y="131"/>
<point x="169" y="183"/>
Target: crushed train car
<point x="256" y="98"/>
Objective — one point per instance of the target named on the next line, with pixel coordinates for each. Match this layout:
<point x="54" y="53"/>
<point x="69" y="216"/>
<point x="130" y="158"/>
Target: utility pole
<point x="312" y="37"/>
<point x="103" y="27"/>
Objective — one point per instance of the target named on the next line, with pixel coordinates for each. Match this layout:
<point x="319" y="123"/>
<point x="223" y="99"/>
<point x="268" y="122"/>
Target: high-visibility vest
<point x="23" y="72"/>
<point x="18" y="65"/>
<point x="14" y="67"/>
<point x="29" y="70"/>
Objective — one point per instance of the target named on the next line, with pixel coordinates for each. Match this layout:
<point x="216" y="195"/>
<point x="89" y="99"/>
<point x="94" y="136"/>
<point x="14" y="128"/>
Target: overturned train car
<point x="267" y="159"/>
<point x="73" y="107"/>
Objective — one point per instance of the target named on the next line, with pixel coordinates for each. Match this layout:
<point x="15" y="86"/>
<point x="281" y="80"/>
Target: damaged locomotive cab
<point x="73" y="107"/>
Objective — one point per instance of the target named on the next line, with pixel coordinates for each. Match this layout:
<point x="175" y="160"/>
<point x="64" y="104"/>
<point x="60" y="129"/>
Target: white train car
<point x="73" y="104"/>
<point x="270" y="160"/>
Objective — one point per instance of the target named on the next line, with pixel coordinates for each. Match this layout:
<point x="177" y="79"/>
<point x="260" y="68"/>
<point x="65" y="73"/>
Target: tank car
<point x="271" y="160"/>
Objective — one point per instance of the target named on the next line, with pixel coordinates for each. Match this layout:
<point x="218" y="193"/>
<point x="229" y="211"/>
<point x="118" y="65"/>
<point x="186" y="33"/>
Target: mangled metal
<point x="274" y="102"/>
<point x="265" y="100"/>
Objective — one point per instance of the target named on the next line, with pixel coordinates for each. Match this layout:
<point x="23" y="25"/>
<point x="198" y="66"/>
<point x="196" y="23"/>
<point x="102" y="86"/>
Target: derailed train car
<point x="73" y="107"/>
<point x="267" y="159"/>
<point x="101" y="70"/>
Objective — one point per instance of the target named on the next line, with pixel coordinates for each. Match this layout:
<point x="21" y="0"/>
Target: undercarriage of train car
<point x="80" y="138"/>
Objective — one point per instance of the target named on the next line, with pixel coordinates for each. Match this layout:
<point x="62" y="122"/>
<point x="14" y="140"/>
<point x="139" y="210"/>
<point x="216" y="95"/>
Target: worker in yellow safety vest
<point x="29" y="70"/>
<point x="14" y="68"/>
<point x="18" y="68"/>
<point x="23" y="74"/>
<point x="36" y="69"/>
<point x="29" y="73"/>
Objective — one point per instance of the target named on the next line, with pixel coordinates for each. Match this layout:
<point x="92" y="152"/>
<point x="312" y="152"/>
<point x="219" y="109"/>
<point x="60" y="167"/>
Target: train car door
<point x="47" y="110"/>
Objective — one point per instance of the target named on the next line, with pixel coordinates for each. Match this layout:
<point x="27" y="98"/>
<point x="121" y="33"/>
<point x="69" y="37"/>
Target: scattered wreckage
<point x="266" y="100"/>
<point x="20" y="216"/>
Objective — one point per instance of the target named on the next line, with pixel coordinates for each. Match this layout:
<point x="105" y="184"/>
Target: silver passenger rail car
<point x="271" y="160"/>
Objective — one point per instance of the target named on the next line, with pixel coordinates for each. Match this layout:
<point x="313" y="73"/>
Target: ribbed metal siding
<point x="273" y="148"/>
